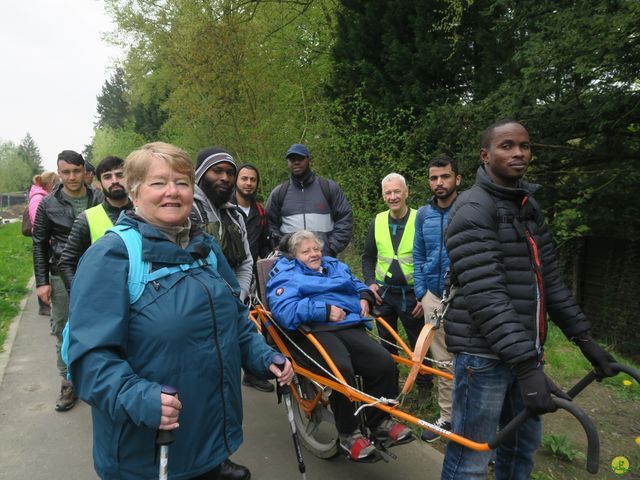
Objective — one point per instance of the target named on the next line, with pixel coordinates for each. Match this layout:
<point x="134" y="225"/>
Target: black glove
<point x="536" y="388"/>
<point x="599" y="358"/>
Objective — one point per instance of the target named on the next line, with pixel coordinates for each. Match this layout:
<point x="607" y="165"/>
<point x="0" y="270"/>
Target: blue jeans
<point x="486" y="396"/>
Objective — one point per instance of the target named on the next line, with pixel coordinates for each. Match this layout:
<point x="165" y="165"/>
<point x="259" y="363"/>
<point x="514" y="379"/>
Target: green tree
<point x="119" y="142"/>
<point x="113" y="102"/>
<point x="30" y="153"/>
<point x="15" y="172"/>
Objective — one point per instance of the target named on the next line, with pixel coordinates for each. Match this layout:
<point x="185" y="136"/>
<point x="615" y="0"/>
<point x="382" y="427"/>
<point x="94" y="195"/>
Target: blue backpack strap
<point x="136" y="280"/>
<point x="139" y="274"/>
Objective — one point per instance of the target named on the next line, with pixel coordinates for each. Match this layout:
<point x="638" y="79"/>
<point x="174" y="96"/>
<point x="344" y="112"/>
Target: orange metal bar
<point x="354" y="395"/>
<point x="395" y="336"/>
<point x="423" y="368"/>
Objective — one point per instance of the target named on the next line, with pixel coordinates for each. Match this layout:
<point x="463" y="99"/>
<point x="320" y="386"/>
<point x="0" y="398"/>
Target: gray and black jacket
<point x="504" y="265"/>
<point x="304" y="206"/>
<point x="211" y="219"/>
<point x="54" y="219"/>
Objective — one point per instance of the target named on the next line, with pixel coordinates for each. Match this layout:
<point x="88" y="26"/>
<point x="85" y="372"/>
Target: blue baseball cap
<point x="298" y="149"/>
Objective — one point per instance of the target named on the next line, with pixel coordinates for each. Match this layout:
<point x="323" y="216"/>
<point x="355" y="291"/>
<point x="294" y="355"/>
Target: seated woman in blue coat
<point x="322" y="294"/>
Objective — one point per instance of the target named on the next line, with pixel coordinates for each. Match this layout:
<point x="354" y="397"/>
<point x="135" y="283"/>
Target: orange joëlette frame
<point x="260" y="317"/>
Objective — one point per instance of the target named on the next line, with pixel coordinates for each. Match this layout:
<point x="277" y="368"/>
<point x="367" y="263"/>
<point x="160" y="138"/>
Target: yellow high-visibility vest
<point x="386" y="254"/>
<point x="99" y="222"/>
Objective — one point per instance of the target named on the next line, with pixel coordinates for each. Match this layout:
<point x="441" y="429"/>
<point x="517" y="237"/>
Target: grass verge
<point x="16" y="267"/>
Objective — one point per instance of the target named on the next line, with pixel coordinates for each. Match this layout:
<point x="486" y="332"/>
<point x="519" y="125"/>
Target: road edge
<point x="5" y="355"/>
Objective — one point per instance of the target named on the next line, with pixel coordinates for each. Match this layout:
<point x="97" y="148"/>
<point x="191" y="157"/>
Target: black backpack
<point x="278" y="199"/>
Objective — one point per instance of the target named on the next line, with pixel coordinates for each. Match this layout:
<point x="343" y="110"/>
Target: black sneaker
<point x="429" y="436"/>
<point x="249" y="380"/>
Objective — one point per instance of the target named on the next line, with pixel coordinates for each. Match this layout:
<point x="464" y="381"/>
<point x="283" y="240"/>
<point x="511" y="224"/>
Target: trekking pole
<point x="164" y="438"/>
<point x="285" y="391"/>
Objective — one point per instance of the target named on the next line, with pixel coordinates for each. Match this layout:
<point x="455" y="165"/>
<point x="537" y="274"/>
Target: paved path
<point x="38" y="443"/>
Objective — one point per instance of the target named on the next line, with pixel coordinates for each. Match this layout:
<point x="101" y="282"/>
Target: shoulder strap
<point x="137" y="268"/>
<point x="281" y="194"/>
<point x="262" y="214"/>
<point x="139" y="274"/>
<point x="200" y="210"/>
<point x="326" y="191"/>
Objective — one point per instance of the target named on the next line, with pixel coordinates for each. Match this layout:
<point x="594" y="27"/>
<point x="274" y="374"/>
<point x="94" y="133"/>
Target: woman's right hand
<point x="336" y="314"/>
<point x="170" y="410"/>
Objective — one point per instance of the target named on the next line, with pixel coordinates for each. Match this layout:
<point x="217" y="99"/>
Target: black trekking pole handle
<point x="164" y="438"/>
<point x="591" y="376"/>
<point x="593" y="440"/>
<point x="279" y="361"/>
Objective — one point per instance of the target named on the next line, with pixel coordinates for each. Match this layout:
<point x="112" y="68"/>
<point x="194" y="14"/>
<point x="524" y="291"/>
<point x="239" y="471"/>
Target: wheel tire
<point x="318" y="433"/>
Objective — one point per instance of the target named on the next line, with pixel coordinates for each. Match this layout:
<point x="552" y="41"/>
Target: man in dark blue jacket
<point x="309" y="202"/>
<point x="506" y="279"/>
<point x="430" y="262"/>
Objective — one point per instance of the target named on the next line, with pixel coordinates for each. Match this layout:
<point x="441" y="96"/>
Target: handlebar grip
<point x="166" y="437"/>
<point x="591" y="376"/>
<point x="279" y="360"/>
<point x="593" y="441"/>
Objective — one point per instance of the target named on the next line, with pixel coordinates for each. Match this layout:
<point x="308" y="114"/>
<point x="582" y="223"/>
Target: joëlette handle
<point x="591" y="376"/>
<point x="593" y="441"/>
<point x="166" y="437"/>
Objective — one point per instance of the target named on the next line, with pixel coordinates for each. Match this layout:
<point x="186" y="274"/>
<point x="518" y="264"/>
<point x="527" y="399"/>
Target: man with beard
<point x="91" y="224"/>
<point x="387" y="267"/>
<point x="312" y="203"/>
<point x="215" y="178"/>
<point x="54" y="219"/>
<point x="255" y="217"/>
<point x="430" y="261"/>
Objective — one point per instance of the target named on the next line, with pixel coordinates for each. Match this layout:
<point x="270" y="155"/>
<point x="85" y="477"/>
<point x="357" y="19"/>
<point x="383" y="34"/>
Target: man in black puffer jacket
<point x="505" y="279"/>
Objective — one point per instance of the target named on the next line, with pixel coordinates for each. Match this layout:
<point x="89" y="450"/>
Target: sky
<point x="53" y="63"/>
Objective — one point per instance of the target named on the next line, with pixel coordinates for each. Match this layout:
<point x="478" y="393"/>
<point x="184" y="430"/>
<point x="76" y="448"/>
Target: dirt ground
<point x="618" y="423"/>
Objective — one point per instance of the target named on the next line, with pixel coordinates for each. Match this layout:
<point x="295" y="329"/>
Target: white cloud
<point x="53" y="63"/>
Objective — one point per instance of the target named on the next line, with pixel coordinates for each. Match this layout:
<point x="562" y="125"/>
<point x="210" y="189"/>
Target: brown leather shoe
<point x="67" y="398"/>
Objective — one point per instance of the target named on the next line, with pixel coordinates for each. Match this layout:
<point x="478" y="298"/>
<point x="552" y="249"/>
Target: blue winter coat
<point x="187" y="330"/>
<point x="430" y="259"/>
<point x="298" y="295"/>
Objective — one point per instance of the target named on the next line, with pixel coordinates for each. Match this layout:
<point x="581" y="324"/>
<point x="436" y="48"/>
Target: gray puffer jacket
<point x="504" y="265"/>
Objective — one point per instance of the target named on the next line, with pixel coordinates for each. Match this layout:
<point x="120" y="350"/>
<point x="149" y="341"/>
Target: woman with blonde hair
<point x="177" y="326"/>
<point x="43" y="184"/>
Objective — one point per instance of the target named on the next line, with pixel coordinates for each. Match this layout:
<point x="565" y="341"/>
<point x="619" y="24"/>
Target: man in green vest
<point x="91" y="224"/>
<point x="387" y="267"/>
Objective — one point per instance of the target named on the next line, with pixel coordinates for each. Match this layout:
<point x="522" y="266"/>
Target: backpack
<point x="282" y="193"/>
<point x="27" y="226"/>
<point x="140" y="273"/>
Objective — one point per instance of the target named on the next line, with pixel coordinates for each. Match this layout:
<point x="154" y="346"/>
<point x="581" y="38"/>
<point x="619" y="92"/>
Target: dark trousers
<point x="354" y="353"/>
<point x="395" y="306"/>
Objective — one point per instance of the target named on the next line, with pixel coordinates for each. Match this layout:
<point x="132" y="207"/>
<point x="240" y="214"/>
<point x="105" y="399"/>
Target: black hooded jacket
<point x="495" y="239"/>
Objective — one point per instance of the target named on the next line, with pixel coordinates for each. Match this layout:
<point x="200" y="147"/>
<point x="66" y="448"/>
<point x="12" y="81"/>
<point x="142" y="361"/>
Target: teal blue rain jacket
<point x="187" y="330"/>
